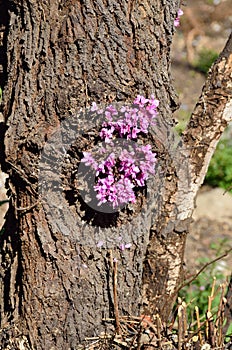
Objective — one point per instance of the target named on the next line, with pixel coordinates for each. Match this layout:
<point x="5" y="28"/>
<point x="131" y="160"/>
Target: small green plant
<point x="198" y="291"/>
<point x="220" y="169"/>
<point x="180" y="127"/>
<point x="206" y="57"/>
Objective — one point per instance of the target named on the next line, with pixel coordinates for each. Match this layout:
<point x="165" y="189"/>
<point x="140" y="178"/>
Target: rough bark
<point x="56" y="285"/>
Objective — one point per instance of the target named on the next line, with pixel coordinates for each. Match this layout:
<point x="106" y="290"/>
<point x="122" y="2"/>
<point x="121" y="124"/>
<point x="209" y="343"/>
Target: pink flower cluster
<point x="130" y="120"/>
<point x="119" y="175"/>
<point x="177" y="20"/>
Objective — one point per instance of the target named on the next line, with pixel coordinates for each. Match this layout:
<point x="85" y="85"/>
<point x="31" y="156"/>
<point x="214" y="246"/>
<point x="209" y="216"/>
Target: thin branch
<point x="186" y="283"/>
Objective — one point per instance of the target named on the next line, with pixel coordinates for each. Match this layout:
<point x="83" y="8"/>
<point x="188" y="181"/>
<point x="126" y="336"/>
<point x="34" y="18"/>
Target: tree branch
<point x="209" y="119"/>
<point x="211" y="115"/>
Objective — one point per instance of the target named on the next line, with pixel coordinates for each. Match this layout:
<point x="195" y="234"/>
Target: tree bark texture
<point x="56" y="284"/>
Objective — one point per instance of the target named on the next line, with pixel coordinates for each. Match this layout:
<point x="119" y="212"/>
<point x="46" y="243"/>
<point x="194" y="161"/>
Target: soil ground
<point x="211" y="231"/>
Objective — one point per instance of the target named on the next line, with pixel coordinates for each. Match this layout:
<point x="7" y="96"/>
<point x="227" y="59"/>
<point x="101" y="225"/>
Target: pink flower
<point x="94" y="107"/>
<point x="112" y="110"/>
<point x="128" y="246"/>
<point x="177" y="20"/>
<point x="134" y="132"/>
<point x="122" y="128"/>
<point x="140" y="100"/>
<point x="107" y="134"/>
<point x="118" y="176"/>
<point x="153" y="102"/>
<point x="108" y="116"/>
<point x="125" y="191"/>
<point x="125" y="246"/>
<point x="144" y="124"/>
<point x="89" y="160"/>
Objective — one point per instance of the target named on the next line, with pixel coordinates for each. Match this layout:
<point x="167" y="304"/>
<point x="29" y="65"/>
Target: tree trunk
<point x="56" y="281"/>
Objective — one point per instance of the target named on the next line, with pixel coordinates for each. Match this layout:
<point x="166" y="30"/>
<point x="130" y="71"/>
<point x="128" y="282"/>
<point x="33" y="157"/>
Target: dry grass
<point x="149" y="333"/>
<point x="204" y="332"/>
